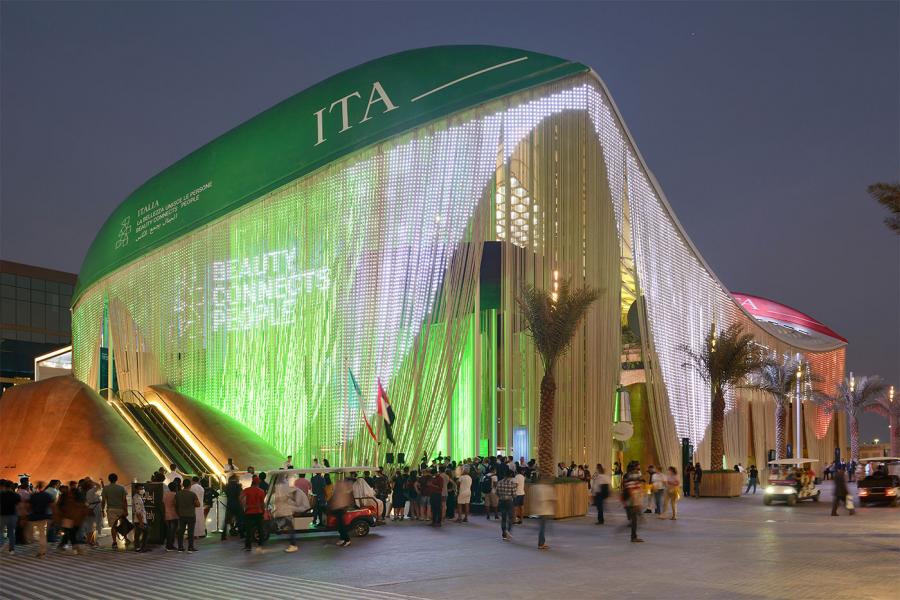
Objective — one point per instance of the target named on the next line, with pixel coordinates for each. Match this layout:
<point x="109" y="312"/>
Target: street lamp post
<point x="798" y="423"/>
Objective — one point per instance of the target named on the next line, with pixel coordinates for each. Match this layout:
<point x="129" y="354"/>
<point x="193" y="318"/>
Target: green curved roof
<point x="354" y="109"/>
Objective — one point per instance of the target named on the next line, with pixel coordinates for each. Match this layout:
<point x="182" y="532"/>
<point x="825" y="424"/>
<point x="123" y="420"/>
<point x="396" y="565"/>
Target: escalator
<point x="159" y="432"/>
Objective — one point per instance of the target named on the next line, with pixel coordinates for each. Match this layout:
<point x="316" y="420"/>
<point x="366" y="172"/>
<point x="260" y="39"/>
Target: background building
<point x="34" y="317"/>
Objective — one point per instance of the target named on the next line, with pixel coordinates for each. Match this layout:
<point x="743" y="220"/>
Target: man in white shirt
<point x="519" y="500"/>
<point x="658" y="484"/>
<point x="173" y="474"/>
<point x="365" y="495"/>
<point x="200" y="518"/>
<point x="289" y="463"/>
<point x="230" y="467"/>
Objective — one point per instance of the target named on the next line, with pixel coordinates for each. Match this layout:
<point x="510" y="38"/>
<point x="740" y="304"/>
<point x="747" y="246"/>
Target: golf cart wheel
<point x="767" y="500"/>
<point x="792" y="500"/>
<point x="360" y="528"/>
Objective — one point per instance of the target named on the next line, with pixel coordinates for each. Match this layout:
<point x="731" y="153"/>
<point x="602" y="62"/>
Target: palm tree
<point x="891" y="410"/>
<point x="852" y="397"/>
<point x="779" y="380"/>
<point x="724" y="362"/>
<point x="888" y="195"/>
<point x="551" y="320"/>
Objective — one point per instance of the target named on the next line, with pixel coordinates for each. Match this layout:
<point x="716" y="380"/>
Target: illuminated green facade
<point x="382" y="223"/>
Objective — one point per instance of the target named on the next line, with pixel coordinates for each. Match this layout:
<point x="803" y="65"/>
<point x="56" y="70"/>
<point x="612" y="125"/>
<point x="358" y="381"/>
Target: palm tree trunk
<point x="546" y="466"/>
<point x="895" y="434"/>
<point x="717" y="430"/>
<point x="780" y="418"/>
<point x="854" y="438"/>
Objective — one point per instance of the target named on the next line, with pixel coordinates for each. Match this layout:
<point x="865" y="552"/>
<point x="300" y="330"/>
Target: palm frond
<point x="552" y="324"/>
<point x="853" y="399"/>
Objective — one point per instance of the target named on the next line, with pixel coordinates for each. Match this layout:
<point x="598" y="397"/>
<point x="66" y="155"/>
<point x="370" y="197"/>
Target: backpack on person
<point x="487" y="485"/>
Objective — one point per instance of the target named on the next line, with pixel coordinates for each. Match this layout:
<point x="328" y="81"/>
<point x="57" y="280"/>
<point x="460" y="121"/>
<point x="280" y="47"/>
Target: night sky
<point x="763" y="122"/>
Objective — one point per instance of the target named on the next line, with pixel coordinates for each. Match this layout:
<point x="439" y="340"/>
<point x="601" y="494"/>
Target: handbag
<point x="124" y="526"/>
<point x="849" y="503"/>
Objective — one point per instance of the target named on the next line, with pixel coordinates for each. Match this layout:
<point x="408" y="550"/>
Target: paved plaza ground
<point x="718" y="548"/>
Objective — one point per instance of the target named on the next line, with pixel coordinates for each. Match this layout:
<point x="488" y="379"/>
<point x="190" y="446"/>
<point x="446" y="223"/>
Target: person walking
<point x="186" y="503"/>
<point x="672" y="492"/>
<point x="752" y="479"/>
<point x="698" y="479"/>
<point x="71" y="511"/>
<point x="543" y="506"/>
<point x="139" y="517"/>
<point x="506" y="494"/>
<point x="115" y="504"/>
<point x="341" y="501"/>
<point x="632" y="497"/>
<point x="600" y="485"/>
<point x="40" y="515"/>
<point x="253" y="502"/>
<point x="841" y="494"/>
<point x="519" y="501"/>
<point x="286" y="500"/>
<point x="9" y="513"/>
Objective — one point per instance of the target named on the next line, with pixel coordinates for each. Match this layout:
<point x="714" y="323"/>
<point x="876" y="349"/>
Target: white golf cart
<point x="790" y="480"/>
<point x="358" y="520"/>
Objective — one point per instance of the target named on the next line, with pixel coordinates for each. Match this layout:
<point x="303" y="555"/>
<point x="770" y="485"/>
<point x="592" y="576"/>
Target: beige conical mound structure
<point x="60" y="428"/>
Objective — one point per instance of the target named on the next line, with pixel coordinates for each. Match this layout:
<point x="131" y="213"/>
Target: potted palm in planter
<point x="551" y="320"/>
<point x="725" y="361"/>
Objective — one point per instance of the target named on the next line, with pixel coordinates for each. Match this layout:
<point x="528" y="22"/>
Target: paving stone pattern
<point x="732" y="549"/>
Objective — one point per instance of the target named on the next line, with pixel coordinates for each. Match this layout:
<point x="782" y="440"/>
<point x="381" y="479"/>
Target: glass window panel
<point x="52" y="316"/>
<point x="8" y="334"/>
<point x="65" y="288"/>
<point x="37" y="284"/>
<point x="8" y="279"/>
<point x="23" y="282"/>
<point x="52" y="286"/>
<point x="65" y="320"/>
<point x="23" y="313"/>
<point x="23" y="294"/>
<point x="65" y="301"/>
<point x="37" y="296"/>
<point x="38" y="337"/>
<point x="37" y="316"/>
<point x="8" y="312"/>
<point x="8" y="291"/>
<point x="52" y="299"/>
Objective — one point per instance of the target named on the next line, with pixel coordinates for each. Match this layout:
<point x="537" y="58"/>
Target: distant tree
<point x="888" y="195"/>
<point x="889" y="409"/>
<point x="852" y="398"/>
<point x="779" y="380"/>
<point x="724" y="362"/>
<point x="551" y="321"/>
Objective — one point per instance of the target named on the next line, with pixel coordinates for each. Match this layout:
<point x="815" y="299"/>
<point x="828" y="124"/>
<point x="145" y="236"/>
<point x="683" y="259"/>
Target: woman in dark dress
<point x="398" y="497"/>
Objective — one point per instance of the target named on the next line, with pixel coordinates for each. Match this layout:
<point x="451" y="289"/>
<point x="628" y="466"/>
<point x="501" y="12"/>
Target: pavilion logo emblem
<point x="124" y="231"/>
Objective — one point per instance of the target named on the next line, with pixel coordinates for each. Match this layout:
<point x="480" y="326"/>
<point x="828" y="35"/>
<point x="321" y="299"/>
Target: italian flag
<point x="354" y="400"/>
<point x="386" y="411"/>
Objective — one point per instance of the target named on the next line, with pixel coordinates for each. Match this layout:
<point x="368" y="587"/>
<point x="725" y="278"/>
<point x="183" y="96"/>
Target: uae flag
<point x="354" y="400"/>
<point x="386" y="411"/>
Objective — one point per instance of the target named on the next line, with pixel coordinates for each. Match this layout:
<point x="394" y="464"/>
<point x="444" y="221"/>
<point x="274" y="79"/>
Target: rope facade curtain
<point x="373" y="265"/>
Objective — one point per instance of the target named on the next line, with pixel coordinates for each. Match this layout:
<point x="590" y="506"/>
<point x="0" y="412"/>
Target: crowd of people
<point x="435" y="492"/>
